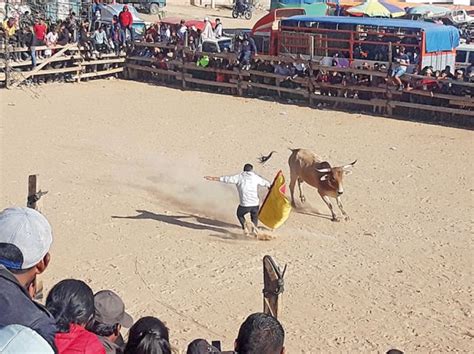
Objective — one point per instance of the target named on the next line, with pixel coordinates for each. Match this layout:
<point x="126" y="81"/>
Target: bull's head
<point x="333" y="176"/>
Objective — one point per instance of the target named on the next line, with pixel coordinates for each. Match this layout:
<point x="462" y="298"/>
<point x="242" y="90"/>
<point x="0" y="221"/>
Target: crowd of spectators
<point x="96" y="37"/>
<point x="74" y="319"/>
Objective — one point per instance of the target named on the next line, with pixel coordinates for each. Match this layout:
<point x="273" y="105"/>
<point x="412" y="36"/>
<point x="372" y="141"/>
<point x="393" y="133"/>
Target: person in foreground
<point x="109" y="318"/>
<point x="25" y="240"/>
<point x="247" y="183"/>
<point x="260" y="334"/>
<point x="71" y="302"/>
<point x="148" y="336"/>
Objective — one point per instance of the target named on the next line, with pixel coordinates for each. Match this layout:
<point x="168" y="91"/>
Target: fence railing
<point x="70" y="61"/>
<point x="181" y="71"/>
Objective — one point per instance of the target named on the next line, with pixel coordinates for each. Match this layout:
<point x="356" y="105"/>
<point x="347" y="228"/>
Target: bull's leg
<point x="292" y="190"/>
<point x="302" y="198"/>
<point x="328" y="203"/>
<point x="339" y="204"/>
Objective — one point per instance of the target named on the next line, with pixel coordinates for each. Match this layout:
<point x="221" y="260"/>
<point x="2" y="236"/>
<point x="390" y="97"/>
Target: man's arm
<point x="225" y="179"/>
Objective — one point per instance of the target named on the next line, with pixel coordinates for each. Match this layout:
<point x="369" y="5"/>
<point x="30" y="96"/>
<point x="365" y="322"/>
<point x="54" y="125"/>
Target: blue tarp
<point x="438" y="37"/>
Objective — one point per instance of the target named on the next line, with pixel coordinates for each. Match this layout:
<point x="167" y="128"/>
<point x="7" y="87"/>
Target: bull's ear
<point x="347" y="172"/>
<point x="324" y="177"/>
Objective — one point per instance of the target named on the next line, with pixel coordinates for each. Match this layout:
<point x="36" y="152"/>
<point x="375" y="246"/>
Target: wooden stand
<point x="273" y="286"/>
<point x="34" y="195"/>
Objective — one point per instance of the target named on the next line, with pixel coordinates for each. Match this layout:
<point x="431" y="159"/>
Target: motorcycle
<point x="245" y="11"/>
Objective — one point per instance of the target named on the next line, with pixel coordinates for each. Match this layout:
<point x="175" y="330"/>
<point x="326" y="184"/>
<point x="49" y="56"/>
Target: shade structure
<point x="376" y="8"/>
<point x="427" y="10"/>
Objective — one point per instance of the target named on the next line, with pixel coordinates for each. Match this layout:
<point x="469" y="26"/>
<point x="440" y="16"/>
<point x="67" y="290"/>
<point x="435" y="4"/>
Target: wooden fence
<point x="383" y="99"/>
<point x="69" y="61"/>
<point x="180" y="72"/>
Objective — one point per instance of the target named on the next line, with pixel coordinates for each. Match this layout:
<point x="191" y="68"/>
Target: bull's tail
<point x="262" y="159"/>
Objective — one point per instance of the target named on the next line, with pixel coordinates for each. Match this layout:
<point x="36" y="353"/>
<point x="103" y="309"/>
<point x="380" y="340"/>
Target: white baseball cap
<point x="29" y="232"/>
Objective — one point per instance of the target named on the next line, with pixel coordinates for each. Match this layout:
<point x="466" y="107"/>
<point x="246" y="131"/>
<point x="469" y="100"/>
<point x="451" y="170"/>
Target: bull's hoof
<point x="336" y="219"/>
<point x="303" y="199"/>
<point x="347" y="218"/>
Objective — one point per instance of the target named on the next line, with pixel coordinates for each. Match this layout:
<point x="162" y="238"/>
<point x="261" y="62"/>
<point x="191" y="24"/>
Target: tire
<point x="235" y="13"/>
<point x="154" y="9"/>
<point x="248" y="15"/>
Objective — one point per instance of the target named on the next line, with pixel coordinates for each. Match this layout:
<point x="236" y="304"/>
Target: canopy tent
<point x="376" y="8"/>
<point x="428" y="10"/>
<point x="312" y="7"/>
<point x="438" y="37"/>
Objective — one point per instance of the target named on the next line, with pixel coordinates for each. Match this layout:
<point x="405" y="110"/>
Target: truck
<point x="150" y="6"/>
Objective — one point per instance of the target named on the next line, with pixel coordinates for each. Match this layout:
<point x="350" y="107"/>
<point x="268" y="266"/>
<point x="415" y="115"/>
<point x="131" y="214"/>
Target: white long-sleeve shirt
<point x="247" y="185"/>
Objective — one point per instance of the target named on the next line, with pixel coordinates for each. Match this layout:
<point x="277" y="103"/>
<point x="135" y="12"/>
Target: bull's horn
<point x="324" y="170"/>
<point x="345" y="167"/>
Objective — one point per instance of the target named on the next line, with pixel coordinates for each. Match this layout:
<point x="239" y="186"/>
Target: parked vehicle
<point x="358" y="40"/>
<point x="464" y="56"/>
<point x="217" y="45"/>
<point x="149" y="6"/>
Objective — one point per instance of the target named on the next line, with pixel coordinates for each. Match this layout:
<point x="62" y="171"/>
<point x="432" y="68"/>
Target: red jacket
<point x="126" y="18"/>
<point x="78" y="340"/>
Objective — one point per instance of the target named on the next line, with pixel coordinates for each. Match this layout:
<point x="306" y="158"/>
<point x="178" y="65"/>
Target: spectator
<point x="25" y="240"/>
<point x="126" y="22"/>
<point x="207" y="32"/>
<point x="16" y="339"/>
<point x="116" y="35"/>
<point x="110" y="316"/>
<point x="9" y="26"/>
<point x="72" y="304"/>
<point x="40" y="30"/>
<point x="260" y="334"/>
<point x="148" y="336"/>
<point x="201" y="346"/>
<point x="64" y="36"/>
<point x="51" y="40"/>
<point x="403" y="61"/>
<point x="446" y="73"/>
<point x="100" y="40"/>
<point x="182" y="31"/>
<point x="218" y="31"/>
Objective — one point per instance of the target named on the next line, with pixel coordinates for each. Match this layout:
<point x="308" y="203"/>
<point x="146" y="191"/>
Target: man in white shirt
<point x="218" y="30"/>
<point x="247" y="184"/>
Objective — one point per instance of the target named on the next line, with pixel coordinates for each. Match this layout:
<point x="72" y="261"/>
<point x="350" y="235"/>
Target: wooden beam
<point x="273" y="286"/>
<point x="42" y="65"/>
<point x="34" y="195"/>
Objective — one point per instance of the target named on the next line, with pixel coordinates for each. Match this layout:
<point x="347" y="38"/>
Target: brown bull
<point x="306" y="166"/>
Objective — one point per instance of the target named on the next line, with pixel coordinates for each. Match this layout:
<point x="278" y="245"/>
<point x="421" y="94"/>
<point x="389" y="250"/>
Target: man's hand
<point x="210" y="178"/>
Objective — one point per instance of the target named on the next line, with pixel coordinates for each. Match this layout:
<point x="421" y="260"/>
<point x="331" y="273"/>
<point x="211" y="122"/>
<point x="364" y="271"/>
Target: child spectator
<point x="72" y="304"/>
<point x="148" y="336"/>
<point x="201" y="346"/>
<point x="51" y="40"/>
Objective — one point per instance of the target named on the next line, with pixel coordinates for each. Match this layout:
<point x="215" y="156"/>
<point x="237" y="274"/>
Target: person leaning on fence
<point x="109" y="318"/>
<point x="260" y="334"/>
<point x="25" y="240"/>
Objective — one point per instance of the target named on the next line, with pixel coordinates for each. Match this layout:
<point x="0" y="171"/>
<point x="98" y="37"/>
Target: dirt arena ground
<point x="123" y="163"/>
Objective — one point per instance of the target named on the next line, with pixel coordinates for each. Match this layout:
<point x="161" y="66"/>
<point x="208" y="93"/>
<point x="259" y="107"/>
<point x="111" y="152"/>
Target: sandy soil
<point x="123" y="163"/>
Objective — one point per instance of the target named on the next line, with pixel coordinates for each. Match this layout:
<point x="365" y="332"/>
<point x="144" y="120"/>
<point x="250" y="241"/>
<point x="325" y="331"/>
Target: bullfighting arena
<point x="123" y="163"/>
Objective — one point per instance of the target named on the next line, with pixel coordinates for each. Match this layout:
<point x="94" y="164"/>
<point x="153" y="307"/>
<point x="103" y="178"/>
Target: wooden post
<point x="7" y="63"/>
<point x="34" y="195"/>
<point x="273" y="286"/>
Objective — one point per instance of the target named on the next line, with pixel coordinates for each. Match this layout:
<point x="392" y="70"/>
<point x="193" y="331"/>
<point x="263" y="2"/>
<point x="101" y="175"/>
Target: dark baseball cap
<point x="201" y="346"/>
<point x="110" y="309"/>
